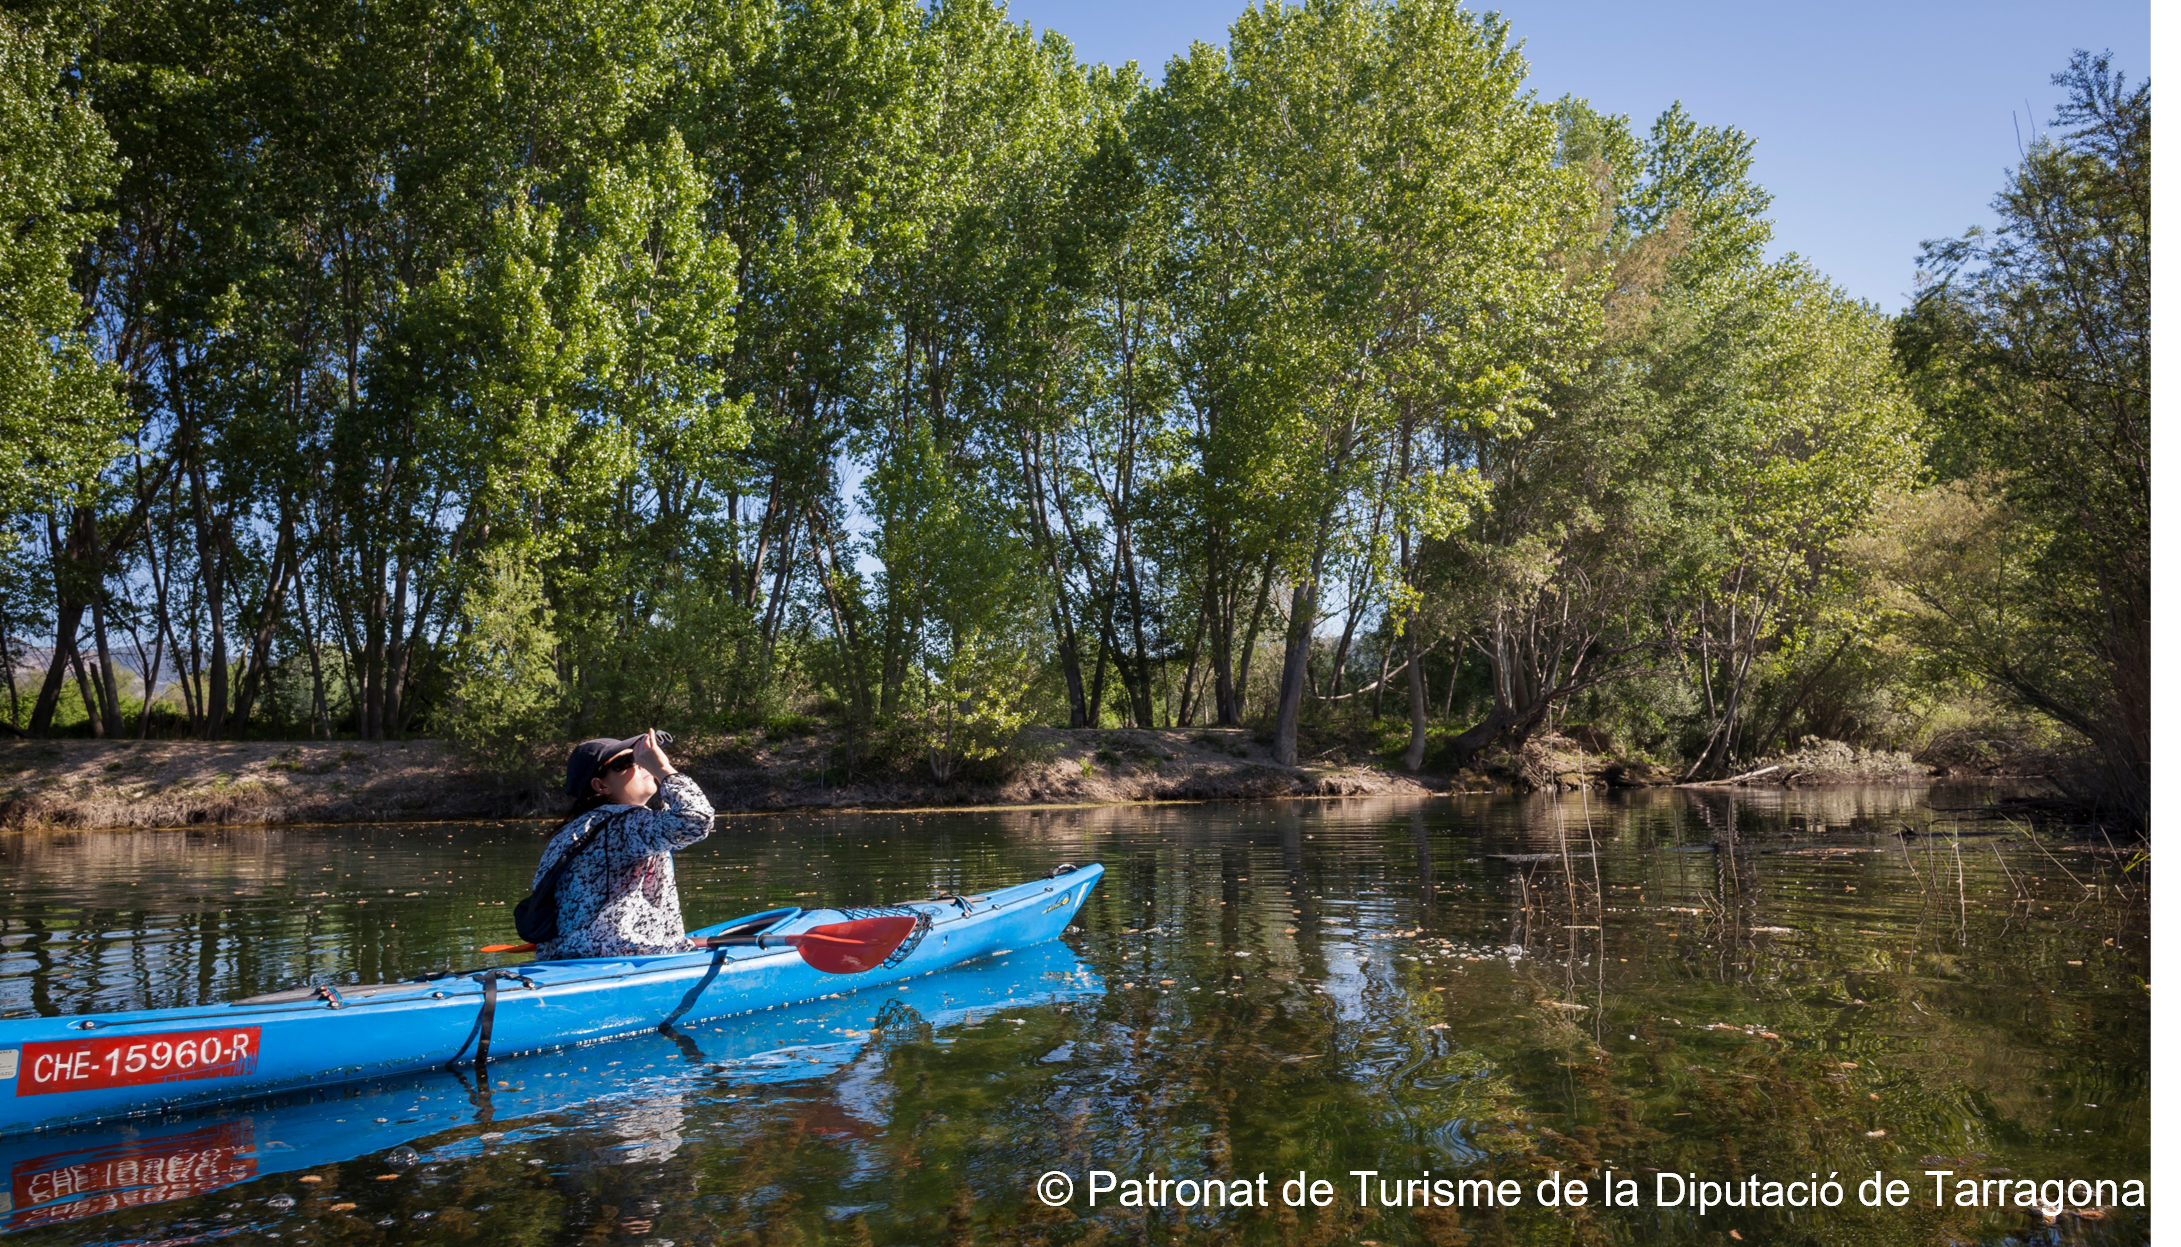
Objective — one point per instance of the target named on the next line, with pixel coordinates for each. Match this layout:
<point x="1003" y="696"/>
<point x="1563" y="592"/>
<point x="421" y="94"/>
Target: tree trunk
<point x="151" y="680"/>
<point x="1095" y="707"/>
<point x="1224" y="710"/>
<point x="1302" y="614"/>
<point x="1249" y="637"/>
<point x="844" y="624"/>
<point x="7" y="660"/>
<point x="109" y="688"/>
<point x="394" y="683"/>
<point x="68" y="618"/>
<point x="371" y="725"/>
<point x="1413" y="759"/>
<point x="83" y="686"/>
<point x="67" y="554"/>
<point x="1139" y="682"/>
<point x="1063" y="611"/>
<point x="259" y="656"/>
<point x="1183" y="710"/>
<point x="320" y="713"/>
<point x="1419" y="707"/>
<point x="212" y="569"/>
<point x="1071" y="663"/>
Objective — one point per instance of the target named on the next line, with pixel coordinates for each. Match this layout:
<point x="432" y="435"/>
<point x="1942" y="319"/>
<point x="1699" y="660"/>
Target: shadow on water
<point x="1725" y="984"/>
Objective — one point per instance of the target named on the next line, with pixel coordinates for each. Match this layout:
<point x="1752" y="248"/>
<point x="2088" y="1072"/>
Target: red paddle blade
<point x="852" y="947"/>
<point x="509" y="948"/>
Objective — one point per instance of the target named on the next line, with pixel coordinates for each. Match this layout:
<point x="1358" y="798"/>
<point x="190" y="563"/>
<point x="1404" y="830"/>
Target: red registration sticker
<point x="129" y="1060"/>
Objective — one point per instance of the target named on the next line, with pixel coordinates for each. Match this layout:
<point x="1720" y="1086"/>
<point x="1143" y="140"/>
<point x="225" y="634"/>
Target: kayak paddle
<point x="833" y="947"/>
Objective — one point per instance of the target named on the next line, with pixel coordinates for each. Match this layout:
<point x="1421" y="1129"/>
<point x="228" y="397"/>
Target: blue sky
<point x="1878" y="125"/>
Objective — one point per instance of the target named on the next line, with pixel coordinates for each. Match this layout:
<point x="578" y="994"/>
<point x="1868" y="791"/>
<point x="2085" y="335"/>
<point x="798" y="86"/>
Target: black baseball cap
<point x="586" y="758"/>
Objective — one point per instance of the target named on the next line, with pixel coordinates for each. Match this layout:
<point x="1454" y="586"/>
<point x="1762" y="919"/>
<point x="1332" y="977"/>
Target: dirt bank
<point x="1063" y="768"/>
<point x="88" y="783"/>
<point x="92" y="784"/>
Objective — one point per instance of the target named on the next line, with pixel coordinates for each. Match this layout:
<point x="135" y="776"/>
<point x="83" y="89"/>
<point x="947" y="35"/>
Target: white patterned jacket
<point x="618" y="898"/>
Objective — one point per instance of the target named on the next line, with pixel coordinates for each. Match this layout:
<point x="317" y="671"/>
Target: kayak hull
<point x="57" y="1071"/>
<point x="79" y="1172"/>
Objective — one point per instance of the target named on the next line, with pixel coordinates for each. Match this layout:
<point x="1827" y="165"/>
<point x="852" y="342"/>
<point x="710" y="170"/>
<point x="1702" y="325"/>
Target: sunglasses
<point x="617" y="765"/>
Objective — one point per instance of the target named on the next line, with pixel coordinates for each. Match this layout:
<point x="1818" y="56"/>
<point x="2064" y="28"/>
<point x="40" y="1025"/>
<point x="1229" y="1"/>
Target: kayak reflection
<point x="634" y="1088"/>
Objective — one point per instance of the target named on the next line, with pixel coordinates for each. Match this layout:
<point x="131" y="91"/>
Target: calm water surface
<point x="1708" y="983"/>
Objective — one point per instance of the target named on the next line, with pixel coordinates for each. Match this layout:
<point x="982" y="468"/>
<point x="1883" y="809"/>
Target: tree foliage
<point x="2031" y="346"/>
<point x="413" y="366"/>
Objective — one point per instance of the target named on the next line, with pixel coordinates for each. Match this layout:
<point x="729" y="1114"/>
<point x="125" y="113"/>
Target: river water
<point x="1719" y="985"/>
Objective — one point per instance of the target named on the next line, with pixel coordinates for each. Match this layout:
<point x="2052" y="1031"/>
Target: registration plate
<point x="132" y="1060"/>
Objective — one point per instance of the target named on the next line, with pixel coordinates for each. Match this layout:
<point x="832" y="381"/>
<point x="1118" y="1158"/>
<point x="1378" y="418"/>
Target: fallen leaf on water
<point x="388" y="1177"/>
<point x="310" y="1177"/>
<point x="1874" y="1134"/>
<point x="1736" y="1235"/>
<point x="342" y="1208"/>
<point x="1874" y="1095"/>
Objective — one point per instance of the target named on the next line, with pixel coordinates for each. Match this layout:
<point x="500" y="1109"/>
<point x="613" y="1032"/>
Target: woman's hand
<point x="651" y="757"/>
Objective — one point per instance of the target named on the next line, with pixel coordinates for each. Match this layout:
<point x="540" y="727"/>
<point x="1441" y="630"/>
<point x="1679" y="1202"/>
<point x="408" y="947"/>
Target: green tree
<point x="2030" y="346"/>
<point x="1368" y="199"/>
<point x="60" y="415"/>
<point x="507" y="692"/>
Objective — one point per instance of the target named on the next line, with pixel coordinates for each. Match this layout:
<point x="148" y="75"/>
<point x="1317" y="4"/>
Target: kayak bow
<point x="77" y="1069"/>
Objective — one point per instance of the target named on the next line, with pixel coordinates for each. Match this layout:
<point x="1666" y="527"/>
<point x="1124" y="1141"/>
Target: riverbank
<point x="120" y="784"/>
<point x="181" y="783"/>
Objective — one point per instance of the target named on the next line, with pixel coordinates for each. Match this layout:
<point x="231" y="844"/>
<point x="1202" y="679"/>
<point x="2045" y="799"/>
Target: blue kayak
<point x="58" y="1071"/>
<point x="79" y="1172"/>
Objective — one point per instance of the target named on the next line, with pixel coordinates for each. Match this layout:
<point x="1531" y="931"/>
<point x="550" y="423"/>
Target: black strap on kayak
<point x="484" y="1019"/>
<point x="481" y="1029"/>
<point x="689" y="1001"/>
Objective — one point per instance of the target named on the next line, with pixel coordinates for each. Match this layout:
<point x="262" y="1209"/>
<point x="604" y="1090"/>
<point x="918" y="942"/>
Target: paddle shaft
<point x="710" y="941"/>
<point x="767" y="941"/>
<point x="834" y="948"/>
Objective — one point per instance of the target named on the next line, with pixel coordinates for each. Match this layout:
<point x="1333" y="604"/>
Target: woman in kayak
<point x="617" y="897"/>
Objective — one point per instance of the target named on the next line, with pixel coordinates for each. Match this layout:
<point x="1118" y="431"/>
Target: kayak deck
<point x="64" y="1070"/>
